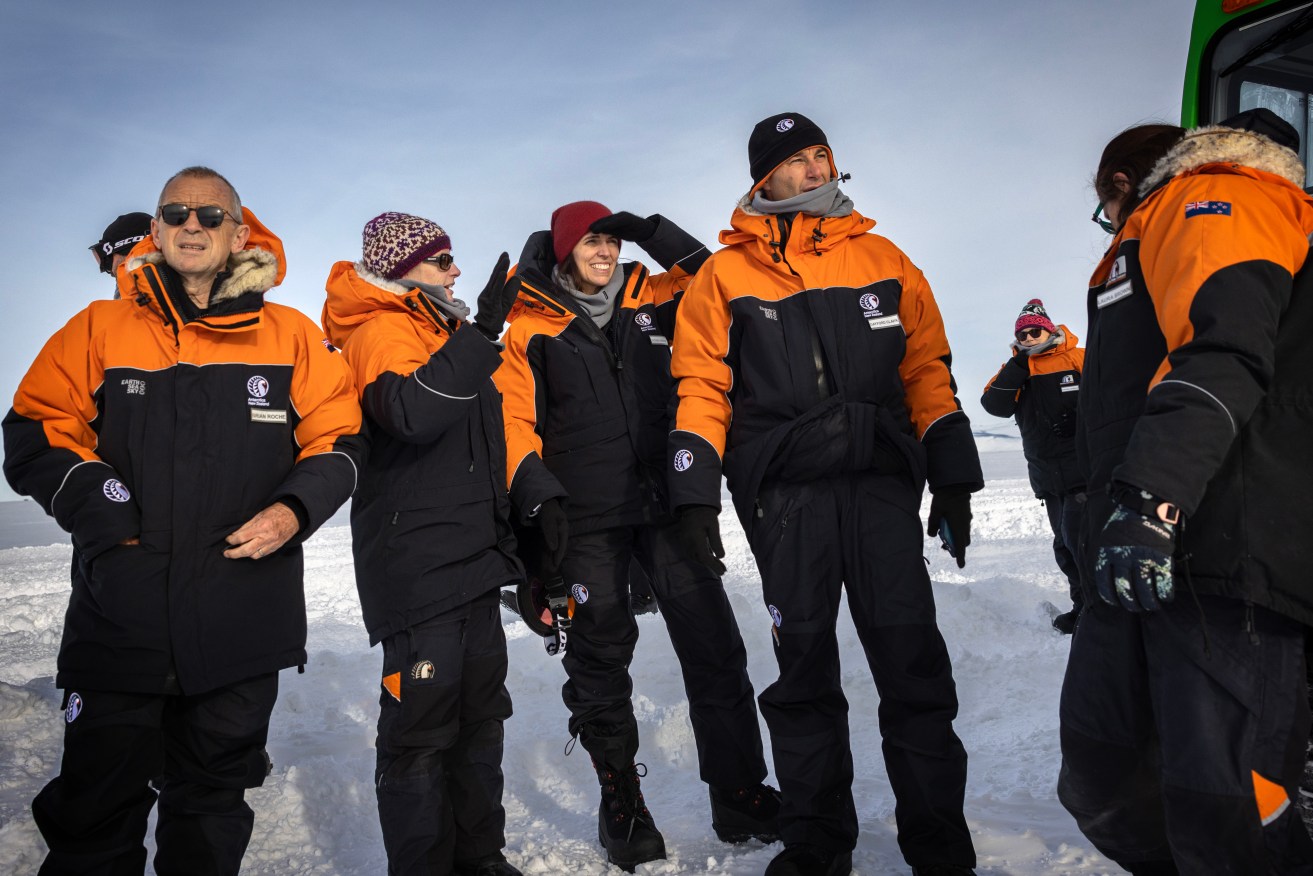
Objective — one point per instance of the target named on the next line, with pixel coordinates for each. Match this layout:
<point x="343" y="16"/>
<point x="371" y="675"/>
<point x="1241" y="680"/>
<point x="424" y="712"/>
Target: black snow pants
<point x="1065" y="510"/>
<point x="201" y="752"/>
<point x="860" y="533"/>
<point x="703" y="633"/>
<point x="439" y="776"/>
<point x="1183" y="735"/>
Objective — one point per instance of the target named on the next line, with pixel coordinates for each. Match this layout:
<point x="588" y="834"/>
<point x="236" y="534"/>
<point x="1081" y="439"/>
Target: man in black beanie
<point x="823" y="345"/>
<point x="119" y="238"/>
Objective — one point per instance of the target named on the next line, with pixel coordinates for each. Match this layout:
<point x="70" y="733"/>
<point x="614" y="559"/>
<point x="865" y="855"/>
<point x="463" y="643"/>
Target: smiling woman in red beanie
<point x="586" y="385"/>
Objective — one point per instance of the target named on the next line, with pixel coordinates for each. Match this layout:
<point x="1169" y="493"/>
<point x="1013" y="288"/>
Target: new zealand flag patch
<point x="1207" y="208"/>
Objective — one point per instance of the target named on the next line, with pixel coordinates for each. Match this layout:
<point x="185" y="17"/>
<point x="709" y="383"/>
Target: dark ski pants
<point x="703" y="632"/>
<point x="1183" y="734"/>
<point x="438" y="777"/>
<point x="862" y="534"/>
<point x="202" y="752"/>
<point x="1064" y="511"/>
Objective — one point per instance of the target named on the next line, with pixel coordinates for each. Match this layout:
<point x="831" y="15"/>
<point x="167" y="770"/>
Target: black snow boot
<point x="746" y="813"/>
<point x="624" y="826"/>
<point x="803" y="860"/>
<point x="493" y="865"/>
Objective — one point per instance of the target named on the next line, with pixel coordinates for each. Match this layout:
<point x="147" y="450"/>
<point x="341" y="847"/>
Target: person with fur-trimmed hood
<point x="587" y="392"/>
<point x="432" y="540"/>
<point x="190" y="435"/>
<point x="1183" y="716"/>
<point x="1040" y="386"/>
<point x="814" y="374"/>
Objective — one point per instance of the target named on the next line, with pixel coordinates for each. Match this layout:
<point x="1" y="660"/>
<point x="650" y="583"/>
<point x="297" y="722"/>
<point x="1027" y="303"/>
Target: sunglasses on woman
<point x="209" y="217"/>
<point x="1029" y="334"/>
<point x="444" y="261"/>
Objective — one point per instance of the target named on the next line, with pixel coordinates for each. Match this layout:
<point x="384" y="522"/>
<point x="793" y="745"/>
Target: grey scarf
<point x="452" y="308"/>
<point x="825" y="201"/>
<point x="598" y="306"/>
<point x="1055" y="338"/>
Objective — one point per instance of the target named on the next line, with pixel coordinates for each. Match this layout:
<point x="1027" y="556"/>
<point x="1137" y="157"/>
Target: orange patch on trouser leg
<point x="392" y="684"/>
<point x="1271" y="798"/>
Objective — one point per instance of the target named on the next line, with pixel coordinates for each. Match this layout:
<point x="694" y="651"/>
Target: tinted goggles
<point x="209" y="216"/>
<point x="444" y="261"/>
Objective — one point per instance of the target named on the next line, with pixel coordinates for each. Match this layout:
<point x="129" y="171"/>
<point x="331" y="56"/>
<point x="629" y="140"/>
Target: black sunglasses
<point x="209" y="217"/>
<point x="444" y="261"/>
<point x="1098" y="220"/>
<point x="1027" y="334"/>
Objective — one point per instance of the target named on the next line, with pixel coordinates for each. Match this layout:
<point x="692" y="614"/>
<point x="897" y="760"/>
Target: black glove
<point x="699" y="536"/>
<point x="1021" y="360"/>
<point x="950" y="519"/>
<point x="1065" y="425"/>
<point x="555" y="527"/>
<point x="1133" y="560"/>
<point x="496" y="300"/>
<point x="625" y="226"/>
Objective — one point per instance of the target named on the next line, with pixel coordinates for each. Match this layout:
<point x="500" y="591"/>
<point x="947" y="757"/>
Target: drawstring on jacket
<point x="818" y="236"/>
<point x="774" y="244"/>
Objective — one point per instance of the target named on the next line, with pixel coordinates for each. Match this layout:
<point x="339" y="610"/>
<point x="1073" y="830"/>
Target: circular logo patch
<point x="683" y="460"/>
<point x="74" y="707"/>
<point x="422" y="669"/>
<point x="775" y="615"/>
<point x="642" y="319"/>
<point x="783" y="125"/>
<point x="580" y="593"/>
<point x="257" y="386"/>
<point x="115" y="491"/>
<point x="869" y="301"/>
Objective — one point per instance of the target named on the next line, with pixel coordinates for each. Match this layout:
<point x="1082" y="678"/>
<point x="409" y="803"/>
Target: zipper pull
<point x="395" y="515"/>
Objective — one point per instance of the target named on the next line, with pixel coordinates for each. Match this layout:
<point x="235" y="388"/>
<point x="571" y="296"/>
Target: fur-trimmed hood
<point x="1217" y="144"/>
<point x="257" y="268"/>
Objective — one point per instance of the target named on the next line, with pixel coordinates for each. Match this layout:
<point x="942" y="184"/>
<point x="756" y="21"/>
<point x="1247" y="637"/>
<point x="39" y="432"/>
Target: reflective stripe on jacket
<point x="430" y="523"/>
<point x="1198" y="382"/>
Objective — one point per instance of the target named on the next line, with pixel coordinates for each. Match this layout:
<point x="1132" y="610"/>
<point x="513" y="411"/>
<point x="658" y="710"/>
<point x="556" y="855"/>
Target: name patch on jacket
<point x="1207" y="208"/>
<point x="884" y="322"/>
<point x="268" y="415"/>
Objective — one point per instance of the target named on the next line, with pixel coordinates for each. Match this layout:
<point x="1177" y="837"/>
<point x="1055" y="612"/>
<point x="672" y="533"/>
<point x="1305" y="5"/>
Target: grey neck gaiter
<point x="825" y="201"/>
<point x="452" y="308"/>
<point x="598" y="306"/>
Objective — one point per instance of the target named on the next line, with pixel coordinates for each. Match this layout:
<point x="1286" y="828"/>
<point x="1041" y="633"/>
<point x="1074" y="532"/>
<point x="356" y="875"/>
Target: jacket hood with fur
<point x="257" y="268"/>
<point x="1217" y="144"/>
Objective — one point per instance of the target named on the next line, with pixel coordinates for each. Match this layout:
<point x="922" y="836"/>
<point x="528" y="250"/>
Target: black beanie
<point x="1262" y="120"/>
<point x="776" y="138"/>
<point x="120" y="236"/>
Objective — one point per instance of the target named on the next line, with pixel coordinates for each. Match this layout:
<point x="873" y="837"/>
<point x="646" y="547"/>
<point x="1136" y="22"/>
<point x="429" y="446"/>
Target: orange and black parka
<point x="1198" y="380"/>
<point x="1043" y="395"/>
<point x="588" y="408"/>
<point x="142" y="418"/>
<point x="794" y="338"/>
<point x="430" y="522"/>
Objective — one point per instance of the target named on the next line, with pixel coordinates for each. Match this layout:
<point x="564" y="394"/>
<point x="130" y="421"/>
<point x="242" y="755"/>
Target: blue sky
<point x="971" y="130"/>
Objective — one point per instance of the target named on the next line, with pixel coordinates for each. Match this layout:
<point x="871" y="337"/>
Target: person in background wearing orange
<point x="1040" y="386"/>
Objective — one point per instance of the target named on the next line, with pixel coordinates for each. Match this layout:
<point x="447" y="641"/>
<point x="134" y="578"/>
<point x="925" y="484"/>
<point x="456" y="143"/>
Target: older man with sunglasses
<point x="190" y="436"/>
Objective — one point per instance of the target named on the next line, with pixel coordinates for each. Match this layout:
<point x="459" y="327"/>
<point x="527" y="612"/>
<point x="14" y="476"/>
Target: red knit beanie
<point x="570" y="224"/>
<point x="1033" y="314"/>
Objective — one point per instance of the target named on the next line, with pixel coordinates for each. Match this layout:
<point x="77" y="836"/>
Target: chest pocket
<point x="582" y="396"/>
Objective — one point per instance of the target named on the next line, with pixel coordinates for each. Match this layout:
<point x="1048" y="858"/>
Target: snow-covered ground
<point x="316" y="815"/>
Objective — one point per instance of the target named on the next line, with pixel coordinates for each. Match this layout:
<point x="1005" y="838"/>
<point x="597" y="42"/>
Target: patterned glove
<point x="1133" y="559"/>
